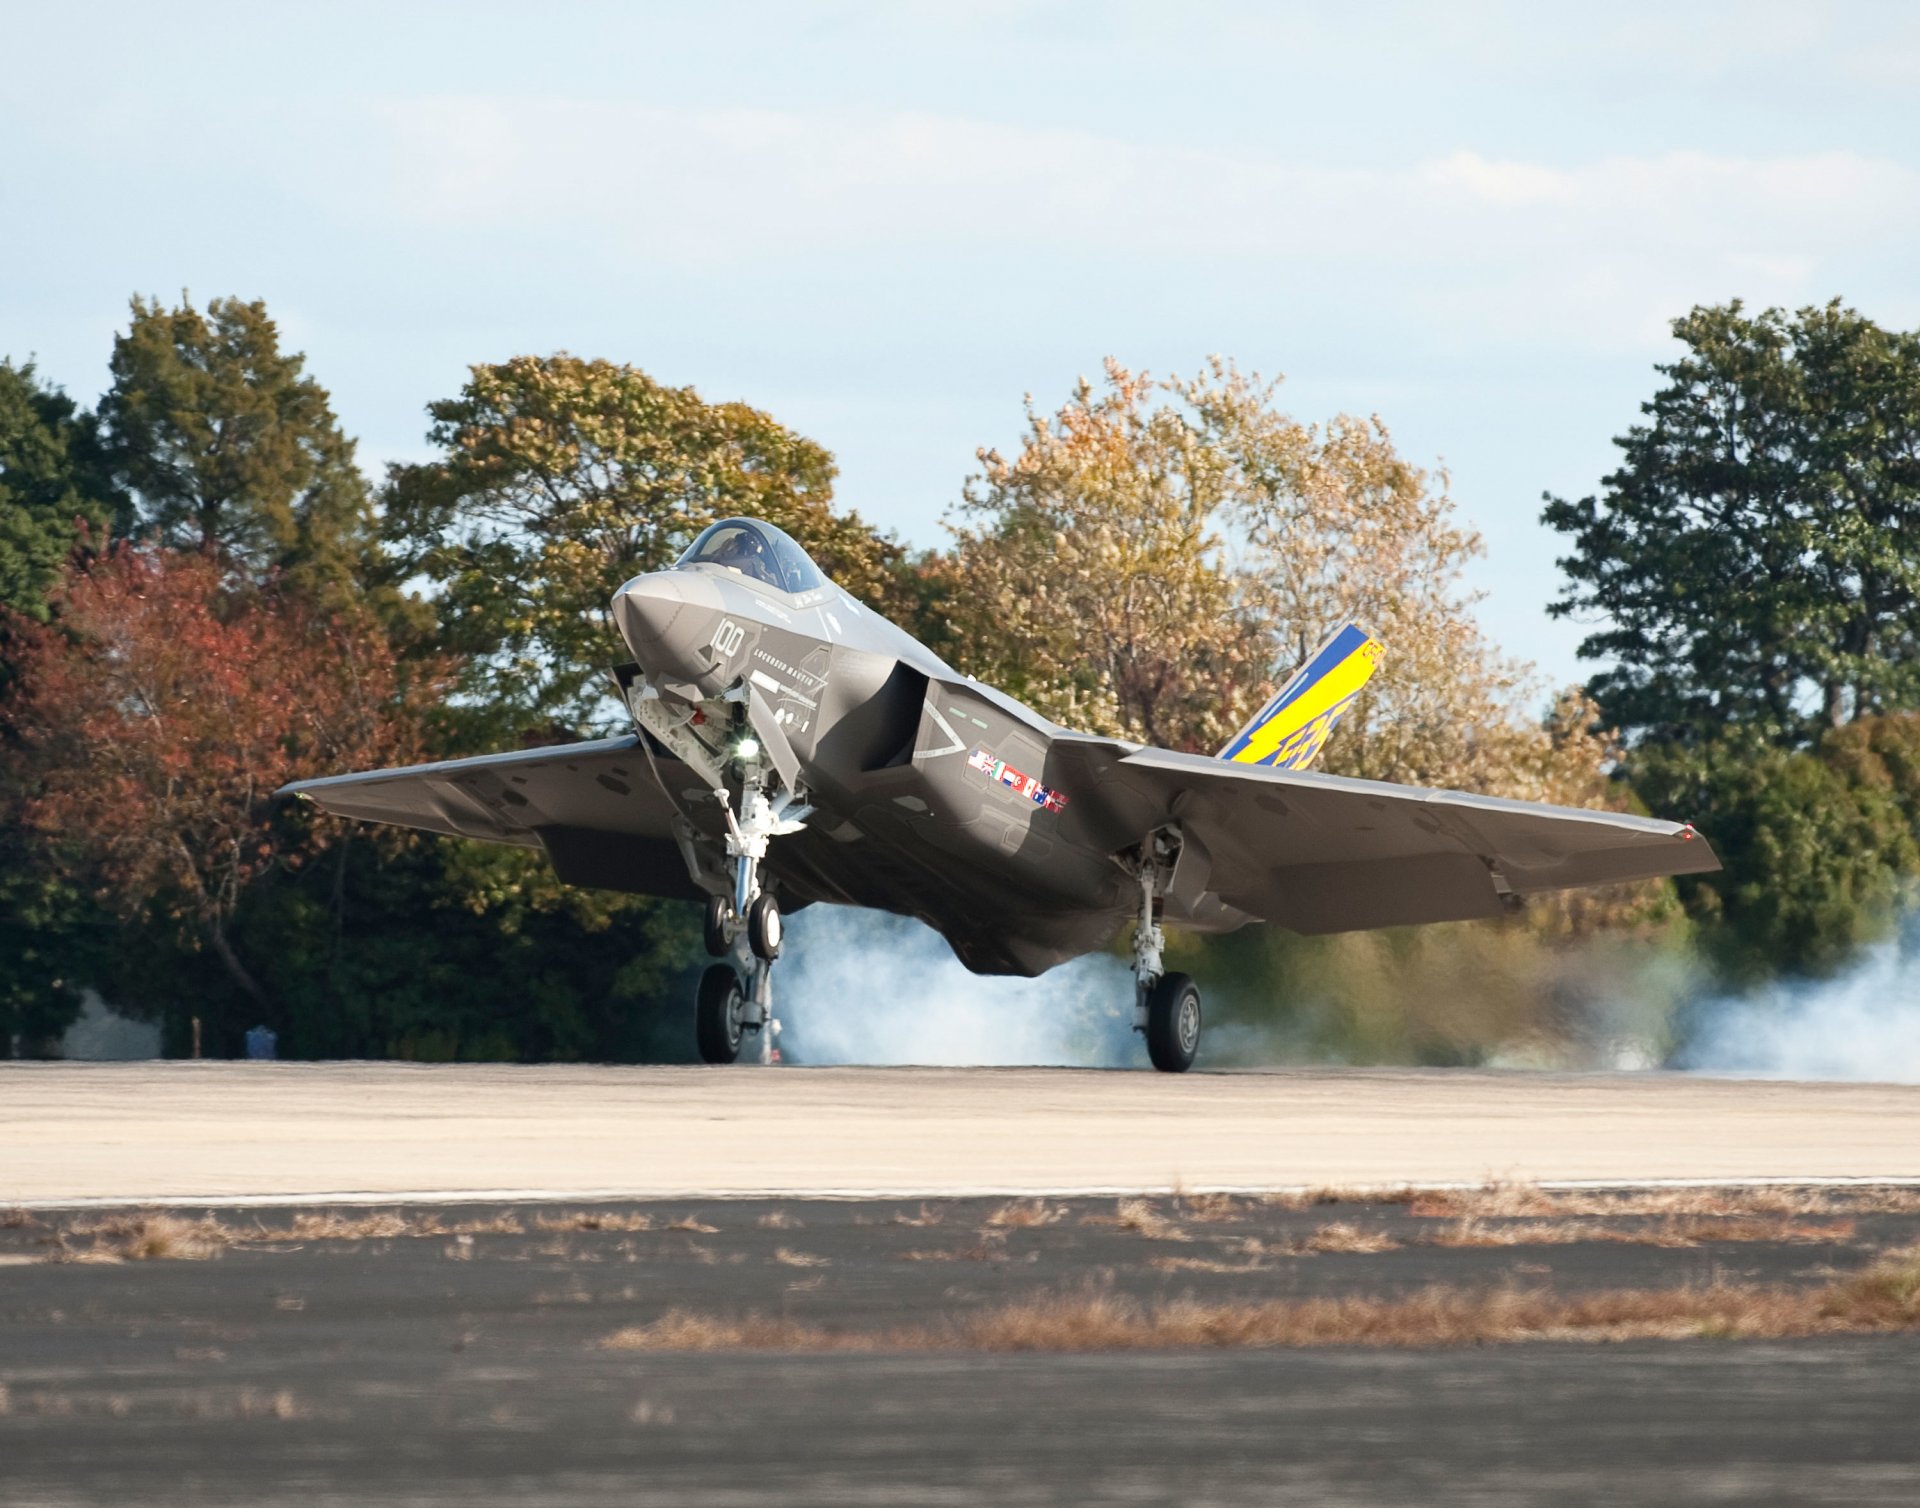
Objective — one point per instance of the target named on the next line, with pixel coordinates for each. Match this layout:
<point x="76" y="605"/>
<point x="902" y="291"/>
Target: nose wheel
<point x="716" y="929"/>
<point x="764" y="928"/>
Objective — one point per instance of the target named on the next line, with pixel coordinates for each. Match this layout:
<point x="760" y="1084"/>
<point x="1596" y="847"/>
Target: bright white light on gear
<point x="748" y="748"/>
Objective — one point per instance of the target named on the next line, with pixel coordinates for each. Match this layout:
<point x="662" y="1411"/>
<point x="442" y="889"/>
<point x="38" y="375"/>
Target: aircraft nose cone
<point x="667" y="621"/>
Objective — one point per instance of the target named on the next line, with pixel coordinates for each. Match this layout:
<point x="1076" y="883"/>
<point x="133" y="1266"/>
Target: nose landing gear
<point x="736" y="997"/>
<point x="742" y="924"/>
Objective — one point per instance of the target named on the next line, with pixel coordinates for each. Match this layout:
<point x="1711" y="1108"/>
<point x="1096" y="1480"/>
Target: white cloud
<point x="1600" y="253"/>
<point x="1501" y="182"/>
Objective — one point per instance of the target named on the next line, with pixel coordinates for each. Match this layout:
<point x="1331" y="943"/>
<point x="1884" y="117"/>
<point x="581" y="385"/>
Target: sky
<point x="888" y="223"/>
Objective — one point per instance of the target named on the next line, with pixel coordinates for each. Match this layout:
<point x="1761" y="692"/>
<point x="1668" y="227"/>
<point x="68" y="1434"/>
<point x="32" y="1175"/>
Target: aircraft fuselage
<point x="932" y="792"/>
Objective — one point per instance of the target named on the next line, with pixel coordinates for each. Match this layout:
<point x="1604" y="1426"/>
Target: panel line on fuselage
<point x="955" y="745"/>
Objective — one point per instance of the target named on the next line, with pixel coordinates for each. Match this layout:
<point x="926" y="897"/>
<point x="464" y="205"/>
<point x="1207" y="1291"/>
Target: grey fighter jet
<point x="790" y="746"/>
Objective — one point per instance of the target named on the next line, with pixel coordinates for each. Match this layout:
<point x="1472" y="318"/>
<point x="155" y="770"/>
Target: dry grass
<point x="1337" y="1237"/>
<point x="150" y="1235"/>
<point x="787" y="1257"/>
<point x="1529" y="1201"/>
<point x="329" y="1225"/>
<point x="16" y="1219"/>
<point x="585" y="1220"/>
<point x="144" y="1237"/>
<point x="1499" y="1200"/>
<point x="1210" y="1206"/>
<point x="1140" y="1217"/>
<point x="1883" y="1297"/>
<point x="1024" y="1214"/>
<point x="684" y="1330"/>
<point x="1349" y="1238"/>
<point x="1675" y="1231"/>
<point x="928" y="1215"/>
<point x="777" y="1220"/>
<point x="1204" y="1264"/>
<point x="693" y="1225"/>
<point x="379" y="1225"/>
<point x="1306" y="1199"/>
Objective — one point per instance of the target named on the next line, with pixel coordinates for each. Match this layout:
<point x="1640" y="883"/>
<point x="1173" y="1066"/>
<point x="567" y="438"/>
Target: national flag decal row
<point x="1005" y="774"/>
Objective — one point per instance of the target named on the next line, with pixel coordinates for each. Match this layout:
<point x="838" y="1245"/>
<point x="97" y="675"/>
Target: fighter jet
<point x="791" y="746"/>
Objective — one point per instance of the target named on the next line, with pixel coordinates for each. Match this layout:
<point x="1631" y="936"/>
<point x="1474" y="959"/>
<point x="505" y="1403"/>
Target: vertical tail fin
<point x="1290" y="730"/>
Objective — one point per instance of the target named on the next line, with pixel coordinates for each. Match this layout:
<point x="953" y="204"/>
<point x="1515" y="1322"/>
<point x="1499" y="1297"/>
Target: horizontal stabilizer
<point x="1289" y="732"/>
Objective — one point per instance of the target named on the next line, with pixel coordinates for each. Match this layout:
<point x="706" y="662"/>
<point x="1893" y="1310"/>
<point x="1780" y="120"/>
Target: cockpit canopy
<point x="755" y="549"/>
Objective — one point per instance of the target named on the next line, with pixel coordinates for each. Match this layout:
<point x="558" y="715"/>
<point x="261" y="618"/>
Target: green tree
<point x="562" y="478"/>
<point x="53" y="484"/>
<point x="55" y="497"/>
<point x="1820" y="845"/>
<point x="230" y="447"/>
<point x="409" y="946"/>
<point x="1755" y="559"/>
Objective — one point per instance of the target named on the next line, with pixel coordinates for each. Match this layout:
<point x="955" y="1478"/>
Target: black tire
<point x="765" y="928"/>
<point x="714" y="928"/>
<point x="717" y="1011"/>
<point x="1173" y="1023"/>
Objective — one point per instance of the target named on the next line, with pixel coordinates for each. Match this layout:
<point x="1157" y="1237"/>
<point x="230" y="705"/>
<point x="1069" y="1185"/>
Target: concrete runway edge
<point x="206" y="1133"/>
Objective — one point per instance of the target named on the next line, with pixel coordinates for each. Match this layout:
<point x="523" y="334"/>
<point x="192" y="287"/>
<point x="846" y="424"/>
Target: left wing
<point x="1322" y="853"/>
<point x="594" y="807"/>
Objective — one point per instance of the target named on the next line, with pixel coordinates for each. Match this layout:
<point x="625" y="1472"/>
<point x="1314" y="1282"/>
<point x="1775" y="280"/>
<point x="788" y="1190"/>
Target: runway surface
<point x="236" y="1131"/>
<point x="427" y="1367"/>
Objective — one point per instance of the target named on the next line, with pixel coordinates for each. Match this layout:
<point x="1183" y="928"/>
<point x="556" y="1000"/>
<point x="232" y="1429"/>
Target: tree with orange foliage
<point x="153" y="720"/>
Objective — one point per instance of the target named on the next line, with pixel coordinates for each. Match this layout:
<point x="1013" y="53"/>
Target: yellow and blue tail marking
<point x="1290" y="730"/>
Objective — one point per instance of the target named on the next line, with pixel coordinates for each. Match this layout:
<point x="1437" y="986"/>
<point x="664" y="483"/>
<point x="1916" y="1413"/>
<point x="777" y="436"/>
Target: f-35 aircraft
<point x="791" y="747"/>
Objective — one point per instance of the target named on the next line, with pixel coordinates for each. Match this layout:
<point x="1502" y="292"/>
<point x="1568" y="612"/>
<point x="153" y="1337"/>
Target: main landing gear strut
<point x="736" y="996"/>
<point x="1166" y="1007"/>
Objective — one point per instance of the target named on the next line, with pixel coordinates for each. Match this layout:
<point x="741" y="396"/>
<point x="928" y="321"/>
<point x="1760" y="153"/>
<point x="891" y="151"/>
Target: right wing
<point x="1323" y="853"/>
<point x="595" y="808"/>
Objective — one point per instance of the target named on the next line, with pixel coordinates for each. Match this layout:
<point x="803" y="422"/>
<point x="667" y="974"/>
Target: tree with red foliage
<point x="155" y="717"/>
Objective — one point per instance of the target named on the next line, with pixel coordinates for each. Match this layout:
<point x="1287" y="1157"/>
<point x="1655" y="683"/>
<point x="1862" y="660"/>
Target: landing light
<point x="748" y="748"/>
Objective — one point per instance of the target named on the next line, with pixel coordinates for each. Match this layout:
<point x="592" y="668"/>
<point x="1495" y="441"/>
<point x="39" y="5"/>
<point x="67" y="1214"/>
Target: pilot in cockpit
<point x="758" y="551"/>
<point x="745" y="551"/>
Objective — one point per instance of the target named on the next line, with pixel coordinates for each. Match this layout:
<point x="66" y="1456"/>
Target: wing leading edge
<point x="1321" y="853"/>
<point x="594" y="807"/>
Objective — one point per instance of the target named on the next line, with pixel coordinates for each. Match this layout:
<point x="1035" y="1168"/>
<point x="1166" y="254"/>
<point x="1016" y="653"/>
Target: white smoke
<point x="1865" y="1024"/>
<point x="861" y="987"/>
<point x="864" y="987"/>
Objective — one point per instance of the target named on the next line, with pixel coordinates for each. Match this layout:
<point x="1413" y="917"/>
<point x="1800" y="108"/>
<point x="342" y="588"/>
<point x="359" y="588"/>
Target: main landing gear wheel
<point x="764" y="928"/>
<point x="714" y="927"/>
<point x="1173" y="1023"/>
<point x="719" y="1021"/>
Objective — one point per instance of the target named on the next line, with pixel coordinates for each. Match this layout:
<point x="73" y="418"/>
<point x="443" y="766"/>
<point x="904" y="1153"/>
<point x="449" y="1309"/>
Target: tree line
<point x="203" y="595"/>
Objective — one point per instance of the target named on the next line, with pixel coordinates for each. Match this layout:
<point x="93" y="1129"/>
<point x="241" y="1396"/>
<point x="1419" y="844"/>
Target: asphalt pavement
<point x="453" y="1367"/>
